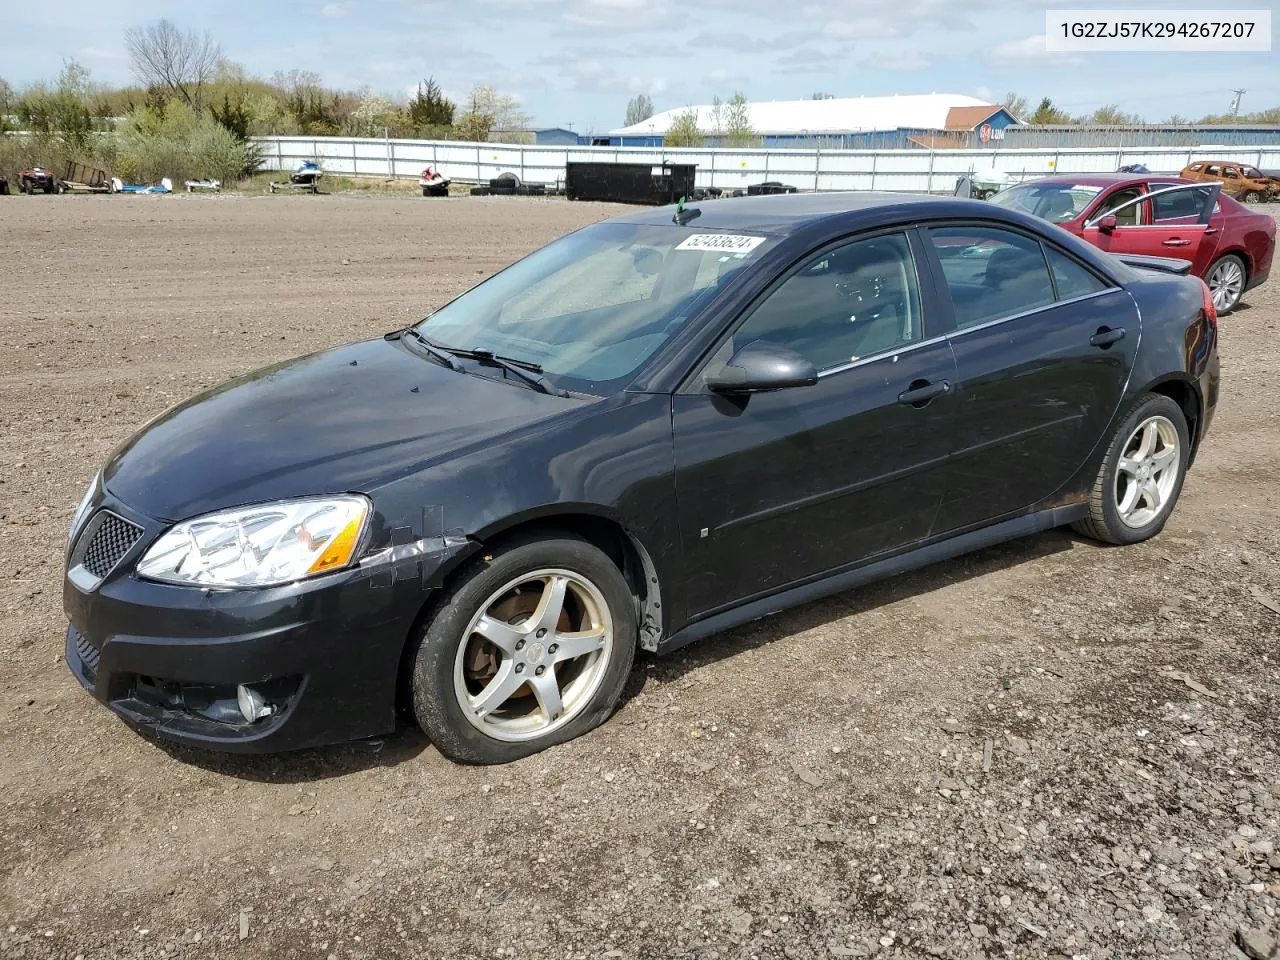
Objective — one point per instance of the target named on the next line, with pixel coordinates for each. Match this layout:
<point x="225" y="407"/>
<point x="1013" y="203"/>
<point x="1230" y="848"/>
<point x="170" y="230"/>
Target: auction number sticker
<point x="723" y="242"/>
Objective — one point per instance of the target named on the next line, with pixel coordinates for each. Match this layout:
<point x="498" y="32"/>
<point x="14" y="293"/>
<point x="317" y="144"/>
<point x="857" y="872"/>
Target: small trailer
<point x="305" y="178"/>
<point x="84" y="179"/>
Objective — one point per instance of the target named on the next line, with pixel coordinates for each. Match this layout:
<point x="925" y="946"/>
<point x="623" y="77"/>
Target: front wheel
<point x="1141" y="475"/>
<point x="1252" y="196"/>
<point x="1225" y="280"/>
<point x="530" y="648"/>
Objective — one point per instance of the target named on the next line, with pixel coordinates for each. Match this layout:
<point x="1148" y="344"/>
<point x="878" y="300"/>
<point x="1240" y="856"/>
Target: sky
<point x="575" y="63"/>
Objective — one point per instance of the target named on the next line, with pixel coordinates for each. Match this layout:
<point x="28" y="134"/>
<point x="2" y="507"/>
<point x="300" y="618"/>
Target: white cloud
<point x="907" y="60"/>
<point x="984" y="93"/>
<point x="1030" y="51"/>
<point x="335" y="11"/>
<point x="865" y="29"/>
<point x="95" y="53"/>
<point x="614" y="14"/>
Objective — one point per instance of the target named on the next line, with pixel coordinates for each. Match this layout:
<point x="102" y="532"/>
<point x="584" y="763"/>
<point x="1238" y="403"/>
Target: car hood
<point x="345" y="420"/>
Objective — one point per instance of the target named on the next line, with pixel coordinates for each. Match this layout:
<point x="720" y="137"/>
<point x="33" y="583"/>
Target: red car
<point x="1230" y="246"/>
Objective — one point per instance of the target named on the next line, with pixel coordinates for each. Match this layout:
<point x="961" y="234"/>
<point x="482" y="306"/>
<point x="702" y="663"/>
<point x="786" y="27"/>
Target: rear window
<point x="1055" y="202"/>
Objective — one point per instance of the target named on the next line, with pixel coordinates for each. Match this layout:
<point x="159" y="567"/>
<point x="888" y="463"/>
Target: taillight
<point x="1210" y="311"/>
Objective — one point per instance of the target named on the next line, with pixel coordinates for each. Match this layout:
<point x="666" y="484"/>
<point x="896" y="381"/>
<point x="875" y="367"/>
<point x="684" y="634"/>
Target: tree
<point x="1016" y="104"/>
<point x="63" y="112"/>
<point x="488" y="112"/>
<point x="738" y="131"/>
<point x="717" y="118"/>
<point x="684" y="130"/>
<point x="639" y="109"/>
<point x="179" y="63"/>
<point x="1112" y="116"/>
<point x="1271" y="116"/>
<point x="6" y="104"/>
<point x="373" y="114"/>
<point x="430" y="107"/>
<point x="1048" y="113"/>
<point x="233" y="119"/>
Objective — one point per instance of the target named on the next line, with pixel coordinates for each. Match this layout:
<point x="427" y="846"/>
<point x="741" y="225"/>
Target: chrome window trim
<point x="1028" y="313"/>
<point x="863" y="361"/>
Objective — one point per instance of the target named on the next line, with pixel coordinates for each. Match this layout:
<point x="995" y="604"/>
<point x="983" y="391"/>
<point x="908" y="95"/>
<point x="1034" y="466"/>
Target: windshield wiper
<point x="433" y="350"/>
<point x="526" y="370"/>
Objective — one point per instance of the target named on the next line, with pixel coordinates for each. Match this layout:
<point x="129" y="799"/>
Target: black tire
<point x="435" y="703"/>
<point x="1251" y="196"/>
<point x="502" y="191"/>
<point x="1104" y="522"/>
<point x="505" y="180"/>
<point x="480" y="191"/>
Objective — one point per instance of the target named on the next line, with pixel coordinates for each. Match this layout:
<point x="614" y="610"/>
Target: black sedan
<point x="648" y="431"/>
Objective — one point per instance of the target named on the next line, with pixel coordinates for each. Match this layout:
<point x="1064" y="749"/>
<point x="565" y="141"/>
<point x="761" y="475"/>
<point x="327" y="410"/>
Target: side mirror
<point x="1108" y="223"/>
<point x="762" y="366"/>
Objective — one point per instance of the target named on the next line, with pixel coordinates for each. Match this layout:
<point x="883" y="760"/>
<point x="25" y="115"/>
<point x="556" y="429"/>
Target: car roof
<point x="783" y="214"/>
<point x="1106" y="179"/>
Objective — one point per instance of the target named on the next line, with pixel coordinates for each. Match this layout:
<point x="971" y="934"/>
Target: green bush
<point x="180" y="144"/>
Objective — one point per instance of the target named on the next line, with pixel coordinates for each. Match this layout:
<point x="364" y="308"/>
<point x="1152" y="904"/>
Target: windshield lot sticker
<point x="727" y="242"/>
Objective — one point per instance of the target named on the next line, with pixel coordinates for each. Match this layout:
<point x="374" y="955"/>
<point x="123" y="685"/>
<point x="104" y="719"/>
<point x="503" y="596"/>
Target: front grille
<point x="87" y="652"/>
<point x="111" y="538"/>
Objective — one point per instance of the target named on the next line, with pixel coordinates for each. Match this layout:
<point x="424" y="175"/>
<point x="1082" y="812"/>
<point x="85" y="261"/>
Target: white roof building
<point x="927" y="111"/>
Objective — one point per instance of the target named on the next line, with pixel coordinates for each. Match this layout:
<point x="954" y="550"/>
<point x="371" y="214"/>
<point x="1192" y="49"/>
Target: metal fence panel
<point x="908" y="171"/>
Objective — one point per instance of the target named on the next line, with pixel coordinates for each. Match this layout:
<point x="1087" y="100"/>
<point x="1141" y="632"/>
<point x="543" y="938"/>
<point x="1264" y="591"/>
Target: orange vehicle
<point x="1238" y="180"/>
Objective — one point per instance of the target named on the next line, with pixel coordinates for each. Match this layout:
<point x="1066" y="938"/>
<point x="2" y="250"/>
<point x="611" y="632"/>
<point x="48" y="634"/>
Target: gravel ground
<point x="1046" y="749"/>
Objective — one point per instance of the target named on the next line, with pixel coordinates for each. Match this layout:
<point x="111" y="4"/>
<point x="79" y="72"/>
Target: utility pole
<point x="1235" y="103"/>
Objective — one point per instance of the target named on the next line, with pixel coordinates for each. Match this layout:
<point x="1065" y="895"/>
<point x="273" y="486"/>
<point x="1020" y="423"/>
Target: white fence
<point x="908" y="171"/>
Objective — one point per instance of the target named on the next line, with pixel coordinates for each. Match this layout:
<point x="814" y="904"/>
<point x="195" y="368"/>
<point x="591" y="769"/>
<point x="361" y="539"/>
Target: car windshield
<point x="1055" y="202"/>
<point x="590" y="308"/>
<point x="1253" y="173"/>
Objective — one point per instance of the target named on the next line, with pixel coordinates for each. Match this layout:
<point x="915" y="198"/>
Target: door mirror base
<point x="762" y="366"/>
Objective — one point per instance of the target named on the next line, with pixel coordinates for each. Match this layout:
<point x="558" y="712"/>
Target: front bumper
<point x="167" y="659"/>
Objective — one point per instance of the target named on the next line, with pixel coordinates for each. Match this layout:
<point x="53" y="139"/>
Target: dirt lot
<point x="1047" y="749"/>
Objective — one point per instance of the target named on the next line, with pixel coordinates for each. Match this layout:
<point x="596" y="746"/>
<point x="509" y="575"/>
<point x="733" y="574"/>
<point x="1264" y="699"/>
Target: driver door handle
<point x="1177" y="242"/>
<point x="1106" y="336"/>
<point x="921" y="392"/>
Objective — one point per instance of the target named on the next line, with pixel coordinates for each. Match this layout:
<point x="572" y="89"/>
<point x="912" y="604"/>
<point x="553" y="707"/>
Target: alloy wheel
<point x="534" y="655"/>
<point x="1226" y="283"/>
<point x="1147" y="472"/>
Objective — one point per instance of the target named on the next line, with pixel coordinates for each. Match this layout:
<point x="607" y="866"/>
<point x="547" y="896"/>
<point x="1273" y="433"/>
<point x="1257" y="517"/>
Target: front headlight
<point x="260" y="546"/>
<point x="78" y="517"/>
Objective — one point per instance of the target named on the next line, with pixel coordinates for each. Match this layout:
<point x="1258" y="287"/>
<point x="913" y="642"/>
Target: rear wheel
<point x="530" y="648"/>
<point x="1226" y="282"/>
<point x="1141" y="475"/>
<point x="1252" y="196"/>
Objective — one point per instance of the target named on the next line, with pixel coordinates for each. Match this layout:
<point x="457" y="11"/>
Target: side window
<point x="1071" y="279"/>
<point x="991" y="273"/>
<point x="1214" y="170"/>
<point x="1197" y="167"/>
<point x="1179" y="204"/>
<point x="1232" y="173"/>
<point x="1127" y="217"/>
<point x="852" y="301"/>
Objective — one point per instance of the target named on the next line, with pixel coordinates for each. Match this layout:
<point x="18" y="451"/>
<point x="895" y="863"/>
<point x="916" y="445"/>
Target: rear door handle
<point x="1177" y="242"/>
<point x="1106" y="336"/>
<point x="922" y="391"/>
